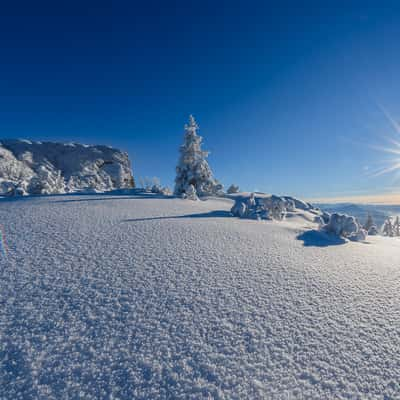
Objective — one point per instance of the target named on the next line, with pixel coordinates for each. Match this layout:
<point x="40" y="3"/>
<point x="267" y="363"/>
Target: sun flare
<point x="393" y="148"/>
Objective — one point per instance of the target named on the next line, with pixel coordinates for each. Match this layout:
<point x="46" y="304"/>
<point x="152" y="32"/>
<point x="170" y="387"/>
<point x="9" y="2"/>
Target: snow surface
<point x="144" y="297"/>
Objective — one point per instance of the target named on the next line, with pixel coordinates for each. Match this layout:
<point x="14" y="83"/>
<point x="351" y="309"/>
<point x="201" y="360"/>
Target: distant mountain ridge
<point x="378" y="212"/>
<point x="28" y="167"/>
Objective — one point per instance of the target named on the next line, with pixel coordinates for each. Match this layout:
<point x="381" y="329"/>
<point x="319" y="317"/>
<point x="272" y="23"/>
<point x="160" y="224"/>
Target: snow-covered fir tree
<point x="369" y="223"/>
<point x="387" y="228"/>
<point x="396" y="227"/>
<point x="193" y="168"/>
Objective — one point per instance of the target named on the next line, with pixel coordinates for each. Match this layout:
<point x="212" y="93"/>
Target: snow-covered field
<point x="143" y="297"/>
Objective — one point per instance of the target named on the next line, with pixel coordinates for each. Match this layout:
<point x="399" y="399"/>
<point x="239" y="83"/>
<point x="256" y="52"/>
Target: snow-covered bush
<point x="387" y="228"/>
<point x="47" y="181"/>
<point x="391" y="227"/>
<point x="8" y="188"/>
<point x="370" y="226"/>
<point x="156" y="189"/>
<point x="373" y="230"/>
<point x="166" y="191"/>
<point x="368" y="223"/>
<point x="233" y="189"/>
<point x="156" y="185"/>
<point x="345" y="226"/>
<point x="193" y="168"/>
<point x="396" y="226"/>
<point x="190" y="193"/>
<point x="148" y="184"/>
<point x="248" y="208"/>
<point x="277" y="206"/>
<point x="253" y="207"/>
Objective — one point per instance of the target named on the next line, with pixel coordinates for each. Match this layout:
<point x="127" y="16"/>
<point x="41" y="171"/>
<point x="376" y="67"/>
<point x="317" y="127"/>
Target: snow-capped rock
<point x="45" y="168"/>
<point x="298" y="204"/>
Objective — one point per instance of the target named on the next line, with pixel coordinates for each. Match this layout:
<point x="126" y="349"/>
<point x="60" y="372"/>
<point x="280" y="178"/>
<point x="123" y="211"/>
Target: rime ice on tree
<point x="387" y="229"/>
<point x="193" y="168"/>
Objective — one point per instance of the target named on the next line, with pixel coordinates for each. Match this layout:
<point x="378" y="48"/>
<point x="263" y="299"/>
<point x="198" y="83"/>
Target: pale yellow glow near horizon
<point x="387" y="198"/>
<point x="393" y="165"/>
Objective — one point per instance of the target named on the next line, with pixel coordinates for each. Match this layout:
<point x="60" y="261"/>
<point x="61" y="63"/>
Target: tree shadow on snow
<point x="320" y="239"/>
<point x="211" y="214"/>
<point x="113" y="197"/>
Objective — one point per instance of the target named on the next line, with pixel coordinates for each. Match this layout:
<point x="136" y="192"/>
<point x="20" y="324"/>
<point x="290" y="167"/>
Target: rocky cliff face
<point x="45" y="168"/>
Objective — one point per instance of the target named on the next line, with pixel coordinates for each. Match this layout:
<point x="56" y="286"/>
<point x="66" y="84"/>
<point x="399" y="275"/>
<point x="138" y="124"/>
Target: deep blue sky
<point x="287" y="95"/>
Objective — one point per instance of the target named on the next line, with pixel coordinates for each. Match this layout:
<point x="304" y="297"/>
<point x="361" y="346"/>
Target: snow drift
<point x="129" y="297"/>
<point x="47" y="168"/>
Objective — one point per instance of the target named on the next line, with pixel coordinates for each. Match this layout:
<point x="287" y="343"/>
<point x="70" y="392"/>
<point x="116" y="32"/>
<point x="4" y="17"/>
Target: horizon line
<point x="383" y="199"/>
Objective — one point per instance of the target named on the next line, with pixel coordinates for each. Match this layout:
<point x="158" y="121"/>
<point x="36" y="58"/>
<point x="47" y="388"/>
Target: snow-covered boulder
<point x="298" y="204"/>
<point x="345" y="226"/>
<point x="260" y="206"/>
<point x="45" y="168"/>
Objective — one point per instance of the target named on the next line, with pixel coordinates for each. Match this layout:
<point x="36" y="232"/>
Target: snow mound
<point x="345" y="226"/>
<point x="269" y="207"/>
<point x="45" y="168"/>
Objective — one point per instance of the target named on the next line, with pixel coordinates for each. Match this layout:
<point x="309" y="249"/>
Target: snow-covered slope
<point x="144" y="297"/>
<point x="45" y="167"/>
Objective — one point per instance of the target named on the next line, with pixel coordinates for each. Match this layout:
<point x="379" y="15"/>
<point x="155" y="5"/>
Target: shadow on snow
<point x="114" y="197"/>
<point x="211" y="214"/>
<point x="320" y="239"/>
